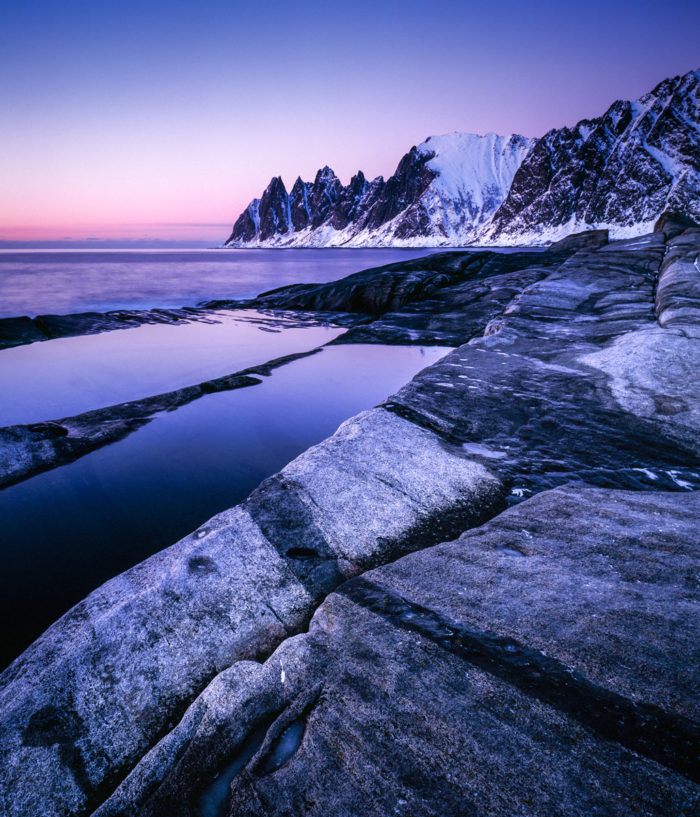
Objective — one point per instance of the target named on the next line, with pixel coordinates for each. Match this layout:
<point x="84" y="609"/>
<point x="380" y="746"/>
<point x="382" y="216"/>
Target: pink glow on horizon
<point x="157" y="119"/>
<point x="214" y="233"/>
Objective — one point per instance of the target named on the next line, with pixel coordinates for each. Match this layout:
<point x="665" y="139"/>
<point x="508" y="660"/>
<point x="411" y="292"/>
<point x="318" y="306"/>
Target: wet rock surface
<point x="526" y="668"/>
<point x="18" y="331"/>
<point x="543" y="662"/>
<point x="442" y="299"/>
<point x="126" y="662"/>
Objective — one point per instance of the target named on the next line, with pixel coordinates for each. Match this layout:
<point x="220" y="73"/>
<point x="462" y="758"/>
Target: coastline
<point x="520" y="414"/>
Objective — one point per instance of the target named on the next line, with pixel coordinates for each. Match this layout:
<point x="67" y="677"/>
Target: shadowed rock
<point x="443" y="299"/>
<point x="18" y="331"/>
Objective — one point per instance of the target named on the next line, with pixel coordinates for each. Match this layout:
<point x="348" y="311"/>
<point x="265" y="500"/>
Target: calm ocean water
<point x="63" y="281"/>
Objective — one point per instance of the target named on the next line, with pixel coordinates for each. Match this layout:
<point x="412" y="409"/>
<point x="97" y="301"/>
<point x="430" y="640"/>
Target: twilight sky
<point x="163" y="118"/>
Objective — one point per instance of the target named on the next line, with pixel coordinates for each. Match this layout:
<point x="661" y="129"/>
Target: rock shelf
<point x="478" y="598"/>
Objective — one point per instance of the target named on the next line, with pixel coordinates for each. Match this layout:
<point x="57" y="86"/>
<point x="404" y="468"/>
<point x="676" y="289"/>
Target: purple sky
<point x="163" y="119"/>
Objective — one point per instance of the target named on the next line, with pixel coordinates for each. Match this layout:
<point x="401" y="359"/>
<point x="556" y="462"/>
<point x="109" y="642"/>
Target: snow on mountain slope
<point x="474" y="173"/>
<point x="440" y="194"/>
<point x="471" y="178"/>
<point x="619" y="171"/>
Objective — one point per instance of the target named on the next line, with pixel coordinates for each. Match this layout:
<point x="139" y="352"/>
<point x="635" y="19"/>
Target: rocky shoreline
<point x="479" y="597"/>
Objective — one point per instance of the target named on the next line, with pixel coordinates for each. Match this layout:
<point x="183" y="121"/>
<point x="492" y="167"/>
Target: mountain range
<point x="619" y="171"/>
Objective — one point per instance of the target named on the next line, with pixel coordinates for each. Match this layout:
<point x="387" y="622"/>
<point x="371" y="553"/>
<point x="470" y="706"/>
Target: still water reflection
<point x="66" y="531"/>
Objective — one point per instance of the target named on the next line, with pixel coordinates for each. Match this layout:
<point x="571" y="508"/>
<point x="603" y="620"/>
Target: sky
<point x="162" y="119"/>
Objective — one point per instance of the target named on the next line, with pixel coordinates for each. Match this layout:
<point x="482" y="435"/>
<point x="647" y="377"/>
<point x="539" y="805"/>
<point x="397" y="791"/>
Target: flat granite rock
<point x="543" y="664"/>
<point x="106" y="681"/>
<point x="575" y="356"/>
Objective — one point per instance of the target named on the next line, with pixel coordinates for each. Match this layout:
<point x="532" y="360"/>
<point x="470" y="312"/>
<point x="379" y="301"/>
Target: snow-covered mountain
<point x="441" y="193"/>
<point x="619" y="171"/>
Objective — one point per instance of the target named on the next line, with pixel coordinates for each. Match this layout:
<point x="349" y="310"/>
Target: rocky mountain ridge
<point x="442" y="191"/>
<point x="619" y="171"/>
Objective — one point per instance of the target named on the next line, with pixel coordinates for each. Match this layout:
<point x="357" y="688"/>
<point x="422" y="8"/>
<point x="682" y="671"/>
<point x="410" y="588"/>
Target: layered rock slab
<point x="546" y="395"/>
<point x="544" y="663"/>
<point x="444" y="299"/>
<point x="90" y="697"/>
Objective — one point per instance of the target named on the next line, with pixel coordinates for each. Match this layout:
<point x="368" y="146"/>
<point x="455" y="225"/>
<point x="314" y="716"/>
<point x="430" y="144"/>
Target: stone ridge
<point x="26" y="450"/>
<point x="21" y="330"/>
<point x="645" y="729"/>
<point x="148" y="641"/>
<point x="428" y="195"/>
<point x="623" y="168"/>
<point x="542" y="663"/>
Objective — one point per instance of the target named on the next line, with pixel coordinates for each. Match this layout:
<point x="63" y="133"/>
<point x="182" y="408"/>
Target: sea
<point x="59" y="282"/>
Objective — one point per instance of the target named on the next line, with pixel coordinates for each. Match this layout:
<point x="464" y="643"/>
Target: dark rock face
<point x="443" y="299"/>
<point x="349" y="206"/>
<point x="307" y="207"/>
<point x="246" y="226"/>
<point x="18" y="331"/>
<point x="625" y="167"/>
<point x="365" y="205"/>
<point x="410" y="180"/>
<point x="299" y="205"/>
<point x="273" y="211"/>
<point x="541" y="663"/>
<point x="323" y="196"/>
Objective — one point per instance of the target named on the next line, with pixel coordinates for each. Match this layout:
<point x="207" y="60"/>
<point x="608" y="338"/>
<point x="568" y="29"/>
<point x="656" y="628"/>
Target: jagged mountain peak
<point x="276" y="184"/>
<point x="618" y="171"/>
<point x="325" y="174"/>
<point x="430" y="194"/>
